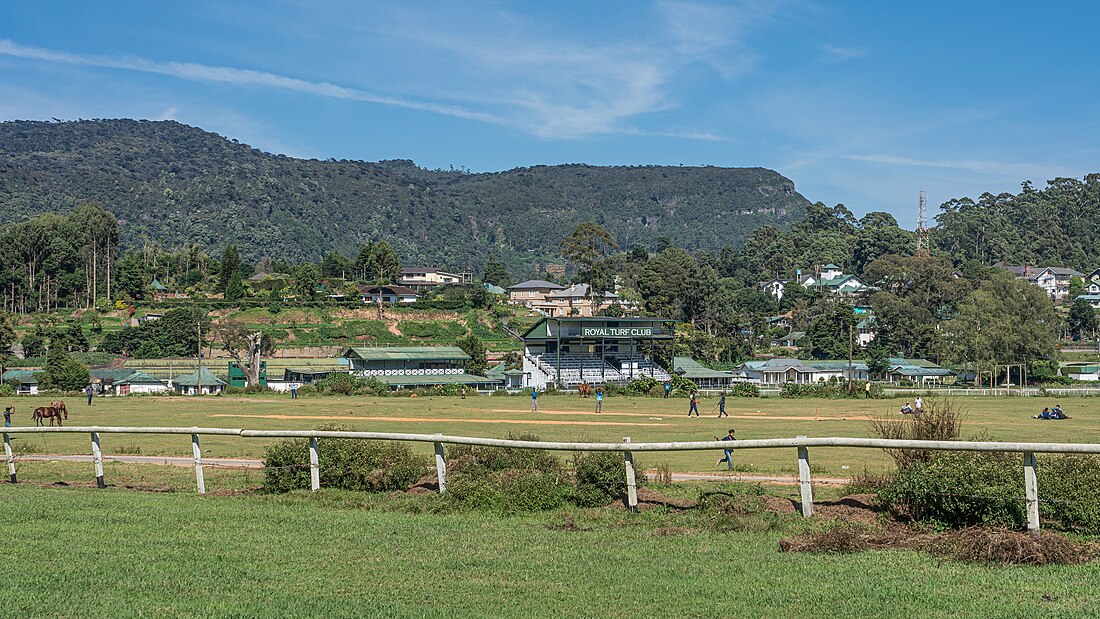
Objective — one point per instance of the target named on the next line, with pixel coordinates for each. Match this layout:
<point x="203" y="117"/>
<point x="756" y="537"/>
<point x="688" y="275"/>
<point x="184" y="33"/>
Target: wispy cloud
<point x="840" y="54"/>
<point x="239" y="77"/>
<point x="1016" y="170"/>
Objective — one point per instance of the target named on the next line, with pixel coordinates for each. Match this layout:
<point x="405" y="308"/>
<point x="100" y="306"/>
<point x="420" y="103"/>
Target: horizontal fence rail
<point x="801" y="444"/>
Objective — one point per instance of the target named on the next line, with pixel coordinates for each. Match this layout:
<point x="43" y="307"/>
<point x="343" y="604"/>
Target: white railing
<point x="801" y="443"/>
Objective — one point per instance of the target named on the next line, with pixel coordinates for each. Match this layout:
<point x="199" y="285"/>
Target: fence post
<point x="11" y="458"/>
<point x="200" y="481"/>
<point x="1031" y="491"/>
<point x="314" y="466"/>
<point x="631" y="480"/>
<point x="804" y="481"/>
<point x="440" y="467"/>
<point x="97" y="458"/>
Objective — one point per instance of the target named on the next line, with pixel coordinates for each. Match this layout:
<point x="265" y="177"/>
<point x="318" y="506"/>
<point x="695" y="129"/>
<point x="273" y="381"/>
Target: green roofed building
<point x="701" y="375"/>
<point x="23" y="381"/>
<point x="415" y="366"/>
<point x="202" y="382"/>
<point x="139" y="382"/>
<point x="596" y="350"/>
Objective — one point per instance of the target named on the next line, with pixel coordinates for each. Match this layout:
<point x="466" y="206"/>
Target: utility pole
<point x="851" y="350"/>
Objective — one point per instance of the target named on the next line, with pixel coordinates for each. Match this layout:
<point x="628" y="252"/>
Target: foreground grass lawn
<point x="86" y="553"/>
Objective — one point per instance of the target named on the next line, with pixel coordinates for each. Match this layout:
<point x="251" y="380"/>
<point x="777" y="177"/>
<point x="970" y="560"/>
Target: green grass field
<point x="148" y="546"/>
<point x="567" y="418"/>
<point x="75" y="552"/>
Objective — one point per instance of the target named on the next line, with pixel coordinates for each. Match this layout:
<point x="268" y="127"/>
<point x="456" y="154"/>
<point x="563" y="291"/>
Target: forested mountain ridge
<point x="175" y="184"/>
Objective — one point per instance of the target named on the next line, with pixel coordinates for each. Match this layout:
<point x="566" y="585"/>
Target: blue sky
<point x="861" y="103"/>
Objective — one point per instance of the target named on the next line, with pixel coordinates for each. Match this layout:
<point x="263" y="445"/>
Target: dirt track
<point x="543" y="422"/>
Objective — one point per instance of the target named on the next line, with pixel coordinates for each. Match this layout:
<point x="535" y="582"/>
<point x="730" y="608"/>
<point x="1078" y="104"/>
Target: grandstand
<point x="595" y="350"/>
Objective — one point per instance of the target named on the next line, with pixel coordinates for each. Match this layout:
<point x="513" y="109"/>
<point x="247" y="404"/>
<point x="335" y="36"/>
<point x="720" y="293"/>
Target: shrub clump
<point x="960" y="489"/>
<point x="830" y="389"/>
<point x="600" y="477"/>
<point x="348" y="464"/>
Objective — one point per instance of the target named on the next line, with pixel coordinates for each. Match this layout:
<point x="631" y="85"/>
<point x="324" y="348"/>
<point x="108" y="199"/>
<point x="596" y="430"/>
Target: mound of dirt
<point x="973" y="545"/>
<point x="857" y="508"/>
<point x="649" y="498"/>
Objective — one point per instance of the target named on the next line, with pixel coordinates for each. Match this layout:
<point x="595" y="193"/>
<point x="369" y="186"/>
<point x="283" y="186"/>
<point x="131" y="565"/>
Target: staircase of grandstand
<point x="580" y="368"/>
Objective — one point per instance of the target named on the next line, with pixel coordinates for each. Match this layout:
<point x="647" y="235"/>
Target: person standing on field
<point x="867" y="390"/>
<point x="90" y="391"/>
<point x="918" y="405"/>
<point x="293" y="391"/>
<point x="534" y="400"/>
<point x="7" y="416"/>
<point x="599" y="399"/>
<point x="694" y="408"/>
<point x="668" y="389"/>
<point x="464" y="393"/>
<point x="722" y="406"/>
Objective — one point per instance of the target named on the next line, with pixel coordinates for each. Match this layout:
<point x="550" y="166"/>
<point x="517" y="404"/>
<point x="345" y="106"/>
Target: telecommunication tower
<point x="922" y="232"/>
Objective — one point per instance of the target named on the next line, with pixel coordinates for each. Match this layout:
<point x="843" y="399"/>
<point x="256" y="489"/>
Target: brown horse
<point x="59" y="405"/>
<point x="46" y="412"/>
<point x="584" y="390"/>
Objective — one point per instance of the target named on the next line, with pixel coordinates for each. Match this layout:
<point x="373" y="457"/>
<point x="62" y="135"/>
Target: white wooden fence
<point x="801" y="444"/>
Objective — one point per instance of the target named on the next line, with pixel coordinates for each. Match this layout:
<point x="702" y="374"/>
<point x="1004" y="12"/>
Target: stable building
<point x="201" y="382"/>
<point x="568" y="351"/>
<point x="23" y="381"/>
<point x="139" y="382"/>
<point x="407" y="367"/>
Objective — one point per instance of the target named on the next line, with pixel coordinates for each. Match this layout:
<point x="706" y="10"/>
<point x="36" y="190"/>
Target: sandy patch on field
<point x="711" y="416"/>
<point x="544" y="422"/>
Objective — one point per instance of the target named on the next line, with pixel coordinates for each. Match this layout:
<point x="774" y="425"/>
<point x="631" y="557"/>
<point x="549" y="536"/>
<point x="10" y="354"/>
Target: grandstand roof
<point x="408" y="353"/>
<point x="691" y="369"/>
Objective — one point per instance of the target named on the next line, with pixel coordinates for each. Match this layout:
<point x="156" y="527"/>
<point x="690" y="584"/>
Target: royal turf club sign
<point x="617" y="332"/>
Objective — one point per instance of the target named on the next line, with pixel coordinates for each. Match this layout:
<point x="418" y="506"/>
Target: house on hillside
<point x="1053" y="280"/>
<point x="419" y="278"/>
<point x="775" y="288"/>
<point x="866" y="331"/>
<point x="162" y="292"/>
<point x="531" y="291"/>
<point x="791" y="340"/>
<point x="389" y="294"/>
<point x="1091" y="299"/>
<point x="23" y="381"/>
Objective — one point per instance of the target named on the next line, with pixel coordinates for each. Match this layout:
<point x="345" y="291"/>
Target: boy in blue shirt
<point x="599" y="399"/>
<point x="534" y="400"/>
<point x="729" y="452"/>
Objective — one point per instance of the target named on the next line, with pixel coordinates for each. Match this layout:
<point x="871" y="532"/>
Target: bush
<point x="940" y="421"/>
<point x="830" y="389"/>
<point x="960" y="489"/>
<point x="507" y="479"/>
<point x="744" y="390"/>
<point x="475" y="459"/>
<point x="349" y="464"/>
<point x="643" y="386"/>
<point x="1067" y="498"/>
<point x="601" y="477"/>
<point x="512" y="491"/>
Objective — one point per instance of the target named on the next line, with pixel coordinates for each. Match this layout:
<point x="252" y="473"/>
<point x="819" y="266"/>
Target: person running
<point x="599" y="399"/>
<point x="668" y="389"/>
<point x="7" y="416"/>
<point x="867" y="390"/>
<point x="722" y="406"/>
<point x="729" y="452"/>
<point x="694" y="404"/>
<point x="534" y="400"/>
<point x="918" y="405"/>
<point x="89" y="391"/>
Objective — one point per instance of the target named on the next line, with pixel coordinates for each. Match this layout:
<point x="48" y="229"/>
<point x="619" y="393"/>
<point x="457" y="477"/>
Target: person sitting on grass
<point x="1058" y="414"/>
<point x="1043" y="415"/>
<point x="906" y="410"/>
